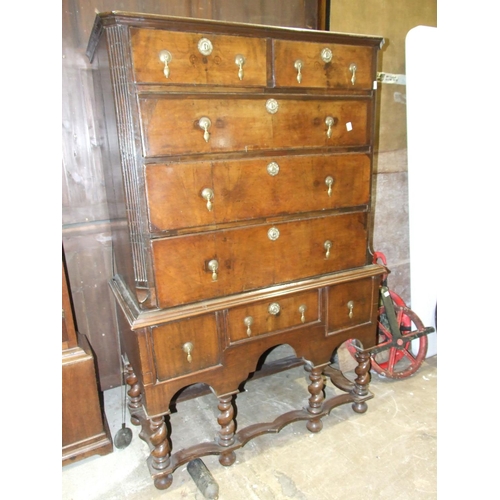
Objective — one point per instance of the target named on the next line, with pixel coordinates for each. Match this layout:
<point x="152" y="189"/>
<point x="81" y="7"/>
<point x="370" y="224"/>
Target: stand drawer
<point x="269" y="316"/>
<point x="352" y="304"/>
<point x="185" y="346"/>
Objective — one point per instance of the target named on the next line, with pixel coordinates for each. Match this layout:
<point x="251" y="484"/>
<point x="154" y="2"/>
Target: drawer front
<point x="172" y="126"/>
<point x="352" y="304"/>
<point x="254" y="257"/>
<point x="322" y="65"/>
<point x="185" y="346"/>
<point x="178" y="195"/>
<point x="186" y="64"/>
<point x="201" y="193"/>
<point x="269" y="316"/>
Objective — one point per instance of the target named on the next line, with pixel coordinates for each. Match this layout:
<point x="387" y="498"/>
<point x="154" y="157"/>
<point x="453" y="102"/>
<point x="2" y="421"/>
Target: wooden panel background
<point x="85" y="219"/>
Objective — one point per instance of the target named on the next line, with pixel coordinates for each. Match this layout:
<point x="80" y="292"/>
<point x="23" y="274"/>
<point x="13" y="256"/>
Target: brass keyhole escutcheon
<point x="272" y="106"/>
<point x="326" y="55"/>
<point x="274" y="309"/>
<point x="205" y="47"/>
<point x="273" y="233"/>
<point x="273" y="169"/>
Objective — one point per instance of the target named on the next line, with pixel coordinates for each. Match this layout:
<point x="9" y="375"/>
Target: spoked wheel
<point x="402" y="361"/>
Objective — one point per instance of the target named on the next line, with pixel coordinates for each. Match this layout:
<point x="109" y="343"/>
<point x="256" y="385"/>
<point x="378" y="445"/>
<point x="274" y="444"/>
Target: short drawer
<point x="185" y="195"/>
<point x="332" y="66"/>
<point x="175" y="125"/>
<point x="185" y="346"/>
<point x="208" y="265"/>
<point x="352" y="304"/>
<point x="170" y="57"/>
<point x="269" y="316"/>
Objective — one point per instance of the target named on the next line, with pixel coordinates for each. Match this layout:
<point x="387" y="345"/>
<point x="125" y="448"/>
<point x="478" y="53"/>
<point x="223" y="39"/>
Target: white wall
<point x="422" y="69"/>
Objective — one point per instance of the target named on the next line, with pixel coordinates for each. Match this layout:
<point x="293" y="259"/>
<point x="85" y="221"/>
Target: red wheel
<point x="405" y="361"/>
<point x="398" y="301"/>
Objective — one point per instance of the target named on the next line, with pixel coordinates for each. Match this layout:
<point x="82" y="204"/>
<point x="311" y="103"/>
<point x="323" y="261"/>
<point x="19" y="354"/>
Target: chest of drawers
<point x="238" y="174"/>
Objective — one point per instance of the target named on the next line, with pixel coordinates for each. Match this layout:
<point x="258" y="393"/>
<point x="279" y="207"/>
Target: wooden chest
<point x="239" y="163"/>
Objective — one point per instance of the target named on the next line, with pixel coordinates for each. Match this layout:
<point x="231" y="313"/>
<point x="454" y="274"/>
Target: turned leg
<point x="161" y="452"/>
<point x="134" y="394"/>
<point x="316" y="400"/>
<point x="360" y="388"/>
<point x="226" y="433"/>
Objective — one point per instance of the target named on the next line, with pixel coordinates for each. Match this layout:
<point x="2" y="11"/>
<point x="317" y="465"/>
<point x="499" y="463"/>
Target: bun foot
<point x="227" y="459"/>
<point x="163" y="482"/>
<point x="360" y="407"/>
<point x="314" y="425"/>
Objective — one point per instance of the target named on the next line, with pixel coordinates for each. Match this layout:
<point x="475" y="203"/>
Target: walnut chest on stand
<point x="238" y="171"/>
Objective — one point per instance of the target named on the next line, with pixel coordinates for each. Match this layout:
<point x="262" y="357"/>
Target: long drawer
<point x="185" y="195"/>
<point x="173" y="125"/>
<point x="207" y="265"/>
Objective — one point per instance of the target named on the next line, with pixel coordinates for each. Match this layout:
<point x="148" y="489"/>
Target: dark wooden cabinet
<point x="239" y="162"/>
<point x="84" y="427"/>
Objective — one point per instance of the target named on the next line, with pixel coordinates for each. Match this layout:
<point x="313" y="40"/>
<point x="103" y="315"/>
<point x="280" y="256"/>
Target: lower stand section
<point x="162" y="463"/>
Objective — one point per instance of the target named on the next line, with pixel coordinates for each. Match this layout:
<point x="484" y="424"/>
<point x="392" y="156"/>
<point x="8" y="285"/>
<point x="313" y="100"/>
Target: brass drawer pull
<point x="208" y="195"/>
<point x="327" y="246"/>
<point x="298" y="66"/>
<point x="213" y="266"/>
<point x="165" y="58"/>
<point x="302" y="311"/>
<point x="240" y="61"/>
<point x="329" y="122"/>
<point x="188" y="349"/>
<point x="329" y="183"/>
<point x="274" y="309"/>
<point x="205" y="123"/>
<point x="352" y="69"/>
<point x="248" y="323"/>
<point x="350" y="305"/>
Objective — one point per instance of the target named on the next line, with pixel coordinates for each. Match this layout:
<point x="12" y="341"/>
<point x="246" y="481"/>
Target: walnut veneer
<point x="239" y="158"/>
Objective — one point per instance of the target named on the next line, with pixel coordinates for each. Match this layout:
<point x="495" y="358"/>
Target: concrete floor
<point x="388" y="452"/>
